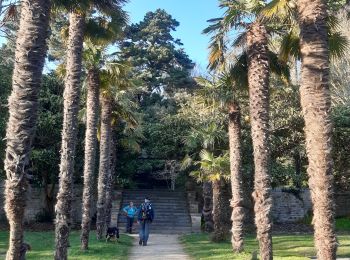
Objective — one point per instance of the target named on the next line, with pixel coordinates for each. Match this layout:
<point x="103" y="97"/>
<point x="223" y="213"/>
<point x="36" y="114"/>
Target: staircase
<point x="171" y="211"/>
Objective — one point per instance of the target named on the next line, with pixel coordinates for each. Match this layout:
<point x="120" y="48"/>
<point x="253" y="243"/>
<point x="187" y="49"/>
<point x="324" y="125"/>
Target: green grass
<point x="42" y="244"/>
<point x="342" y="224"/>
<point x="286" y="247"/>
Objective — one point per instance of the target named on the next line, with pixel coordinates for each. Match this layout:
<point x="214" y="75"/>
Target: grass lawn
<point x="286" y="247"/>
<point x="43" y="243"/>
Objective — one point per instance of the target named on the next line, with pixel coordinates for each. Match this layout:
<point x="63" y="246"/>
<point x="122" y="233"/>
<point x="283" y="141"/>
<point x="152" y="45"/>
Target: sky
<point x="192" y="15"/>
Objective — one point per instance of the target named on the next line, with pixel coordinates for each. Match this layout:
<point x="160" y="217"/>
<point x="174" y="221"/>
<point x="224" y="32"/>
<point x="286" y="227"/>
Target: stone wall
<point x="292" y="207"/>
<point x="342" y="204"/>
<point x="289" y="206"/>
<point x="36" y="203"/>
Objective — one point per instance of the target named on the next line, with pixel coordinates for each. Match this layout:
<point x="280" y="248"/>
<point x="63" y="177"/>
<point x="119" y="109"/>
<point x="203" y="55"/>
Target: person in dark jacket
<point x="145" y="218"/>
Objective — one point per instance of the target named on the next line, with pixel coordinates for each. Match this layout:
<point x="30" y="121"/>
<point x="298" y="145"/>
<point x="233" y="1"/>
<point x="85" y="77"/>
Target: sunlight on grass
<point x="286" y="247"/>
<point x="43" y="243"/>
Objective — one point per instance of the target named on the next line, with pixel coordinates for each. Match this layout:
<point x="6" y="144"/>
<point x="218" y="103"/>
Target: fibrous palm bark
<point x="106" y="118"/>
<point x="208" y="207"/>
<point x="316" y="106"/>
<point x="258" y="81"/>
<point x="30" y="55"/>
<point x="221" y="210"/>
<point x="92" y="111"/>
<point x="69" y="132"/>
<point x="110" y="179"/>
<point x="234" y="131"/>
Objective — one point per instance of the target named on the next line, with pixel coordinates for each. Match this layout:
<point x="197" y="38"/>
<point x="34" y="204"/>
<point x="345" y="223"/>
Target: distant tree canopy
<point x="159" y="60"/>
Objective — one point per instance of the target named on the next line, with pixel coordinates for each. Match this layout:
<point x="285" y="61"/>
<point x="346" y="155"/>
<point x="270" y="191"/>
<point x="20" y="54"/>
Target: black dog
<point x="24" y="248"/>
<point x="112" y="234"/>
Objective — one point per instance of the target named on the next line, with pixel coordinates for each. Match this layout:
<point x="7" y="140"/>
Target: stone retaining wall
<point x="36" y="203"/>
<point x="288" y="206"/>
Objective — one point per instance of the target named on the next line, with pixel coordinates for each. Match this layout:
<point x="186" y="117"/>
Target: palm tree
<point x="316" y="106"/>
<point x="258" y="81"/>
<point x="215" y="169"/>
<point x="111" y="177"/>
<point x="105" y="139"/>
<point x="123" y="112"/>
<point x="253" y="39"/>
<point x="234" y="131"/>
<point x="208" y="206"/>
<point x="77" y="25"/>
<point x="209" y="134"/>
<point x="92" y="110"/>
<point x="314" y="38"/>
<point x="69" y="131"/>
<point x="94" y="57"/>
<point x="114" y="77"/>
<point x="226" y="82"/>
<point x="30" y="55"/>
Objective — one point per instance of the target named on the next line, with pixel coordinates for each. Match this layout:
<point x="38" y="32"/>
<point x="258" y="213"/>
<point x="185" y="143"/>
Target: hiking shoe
<point x="144" y="243"/>
<point x="140" y="242"/>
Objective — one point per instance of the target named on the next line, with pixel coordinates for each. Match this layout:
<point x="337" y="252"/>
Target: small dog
<point x="24" y="248"/>
<point x="112" y="234"/>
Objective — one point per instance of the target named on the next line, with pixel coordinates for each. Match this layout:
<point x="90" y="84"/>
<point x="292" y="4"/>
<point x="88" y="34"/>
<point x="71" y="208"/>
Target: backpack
<point x="146" y="211"/>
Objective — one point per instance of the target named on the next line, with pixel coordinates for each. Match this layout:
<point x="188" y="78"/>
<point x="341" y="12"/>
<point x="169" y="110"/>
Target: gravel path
<point x="159" y="247"/>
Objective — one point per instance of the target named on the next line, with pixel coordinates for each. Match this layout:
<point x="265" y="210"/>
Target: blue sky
<point x="192" y="15"/>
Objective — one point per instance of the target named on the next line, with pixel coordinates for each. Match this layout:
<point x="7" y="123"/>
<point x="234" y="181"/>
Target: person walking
<point x="130" y="212"/>
<point x="145" y="218"/>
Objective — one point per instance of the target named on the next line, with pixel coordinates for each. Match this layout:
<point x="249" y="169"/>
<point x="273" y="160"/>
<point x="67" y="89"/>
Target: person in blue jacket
<point x="145" y="218"/>
<point x="130" y="212"/>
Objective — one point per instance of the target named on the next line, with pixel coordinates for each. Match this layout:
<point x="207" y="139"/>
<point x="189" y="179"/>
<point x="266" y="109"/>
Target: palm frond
<point x="280" y="10"/>
<point x="338" y="44"/>
<point x="186" y="163"/>
<point x="279" y="67"/>
<point x="239" y="71"/>
<point x="240" y="40"/>
<point x="290" y="46"/>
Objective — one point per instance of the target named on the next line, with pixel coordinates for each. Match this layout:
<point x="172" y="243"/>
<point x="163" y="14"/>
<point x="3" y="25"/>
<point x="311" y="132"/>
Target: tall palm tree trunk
<point x="234" y="130"/>
<point x="208" y="207"/>
<point x="106" y="118"/>
<point x="69" y="132"/>
<point x="30" y="55"/>
<point x="110" y="181"/>
<point x="316" y="105"/>
<point x="258" y="79"/>
<point x="92" y="111"/>
<point x="221" y="210"/>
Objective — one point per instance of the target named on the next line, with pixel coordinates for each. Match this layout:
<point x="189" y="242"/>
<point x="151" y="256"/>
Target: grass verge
<point x="42" y="244"/>
<point x="286" y="247"/>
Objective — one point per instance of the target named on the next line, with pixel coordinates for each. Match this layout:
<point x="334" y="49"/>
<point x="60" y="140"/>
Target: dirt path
<point x="160" y="247"/>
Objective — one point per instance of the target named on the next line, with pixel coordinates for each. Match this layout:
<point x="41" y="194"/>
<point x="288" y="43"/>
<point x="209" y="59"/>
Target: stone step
<point x="150" y="191"/>
<point x="155" y="229"/>
<point x="171" y="210"/>
<point x="165" y="212"/>
<point x="155" y="202"/>
<point x="165" y="222"/>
